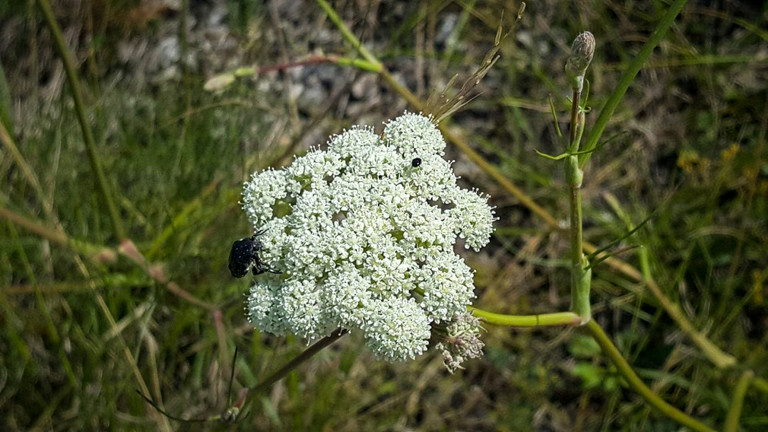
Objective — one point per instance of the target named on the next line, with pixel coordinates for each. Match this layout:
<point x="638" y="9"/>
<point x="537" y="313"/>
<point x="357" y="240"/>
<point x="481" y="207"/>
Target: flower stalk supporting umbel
<point x="581" y="274"/>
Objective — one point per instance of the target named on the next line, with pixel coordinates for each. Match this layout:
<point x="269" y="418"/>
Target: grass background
<point x="78" y="329"/>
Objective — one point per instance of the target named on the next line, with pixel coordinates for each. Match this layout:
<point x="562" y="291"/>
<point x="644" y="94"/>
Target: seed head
<point x="459" y="340"/>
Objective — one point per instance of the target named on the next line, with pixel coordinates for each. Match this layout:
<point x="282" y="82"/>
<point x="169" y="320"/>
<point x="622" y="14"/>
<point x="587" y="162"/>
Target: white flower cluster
<point x="363" y="234"/>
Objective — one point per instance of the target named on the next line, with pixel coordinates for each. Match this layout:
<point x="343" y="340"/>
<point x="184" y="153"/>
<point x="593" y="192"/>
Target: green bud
<point x="582" y="50"/>
<point x="219" y="82"/>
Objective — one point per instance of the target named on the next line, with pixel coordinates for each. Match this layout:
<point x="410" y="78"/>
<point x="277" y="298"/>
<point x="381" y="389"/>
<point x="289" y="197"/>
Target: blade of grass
<point x="26" y="170"/>
<point x="77" y="96"/>
<point x="5" y="101"/>
<point x="629" y="76"/>
<point x="732" y="420"/>
<point x="100" y="253"/>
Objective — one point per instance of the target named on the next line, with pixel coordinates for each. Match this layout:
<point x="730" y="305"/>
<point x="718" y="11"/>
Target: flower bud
<point x="582" y="50"/>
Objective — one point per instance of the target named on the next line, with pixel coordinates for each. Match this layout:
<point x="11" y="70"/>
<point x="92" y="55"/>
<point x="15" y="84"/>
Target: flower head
<point x="363" y="235"/>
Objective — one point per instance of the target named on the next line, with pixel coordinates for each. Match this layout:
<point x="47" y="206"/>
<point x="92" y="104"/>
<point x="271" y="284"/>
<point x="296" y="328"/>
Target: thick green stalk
<point x="541" y="320"/>
<point x="77" y="96"/>
<point x="581" y="272"/>
<point x="625" y="370"/>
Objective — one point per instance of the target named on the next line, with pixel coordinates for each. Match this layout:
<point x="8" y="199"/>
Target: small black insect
<point x="416" y="162"/>
<point x="244" y="256"/>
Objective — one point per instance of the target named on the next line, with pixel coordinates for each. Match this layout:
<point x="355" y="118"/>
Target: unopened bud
<point x="582" y="50"/>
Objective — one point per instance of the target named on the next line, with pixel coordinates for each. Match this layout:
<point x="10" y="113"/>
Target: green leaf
<point x="582" y="346"/>
<point x="591" y="375"/>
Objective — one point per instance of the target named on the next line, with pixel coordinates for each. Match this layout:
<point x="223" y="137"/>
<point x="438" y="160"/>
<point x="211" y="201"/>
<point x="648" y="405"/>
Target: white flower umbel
<point x="363" y="236"/>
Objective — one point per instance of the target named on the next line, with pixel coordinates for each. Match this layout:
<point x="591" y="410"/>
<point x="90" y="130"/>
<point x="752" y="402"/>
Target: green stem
<point x="358" y="63"/>
<point x="347" y="34"/>
<point x="541" y="320"/>
<point x="732" y="420"/>
<point x="760" y="384"/>
<point x="77" y="96"/>
<point x="625" y="370"/>
<point x="574" y="121"/>
<point x="629" y="75"/>
<point x="283" y="371"/>
<point x="581" y="272"/>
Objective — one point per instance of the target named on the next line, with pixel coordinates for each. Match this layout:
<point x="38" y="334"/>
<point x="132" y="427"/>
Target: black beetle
<point x="416" y="162"/>
<point x="244" y="256"/>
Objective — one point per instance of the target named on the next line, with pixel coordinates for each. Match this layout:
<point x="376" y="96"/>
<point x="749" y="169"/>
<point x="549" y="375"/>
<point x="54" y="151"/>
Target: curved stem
<point x="760" y="384"/>
<point x="625" y="370"/>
